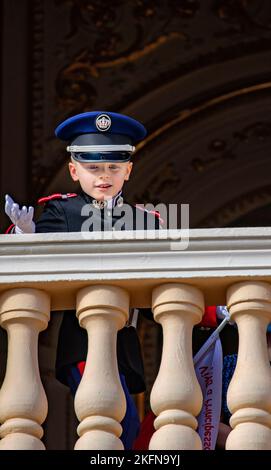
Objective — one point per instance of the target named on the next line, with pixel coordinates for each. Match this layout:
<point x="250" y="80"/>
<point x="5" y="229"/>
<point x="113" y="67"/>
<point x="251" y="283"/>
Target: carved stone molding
<point x="233" y="212"/>
<point x="244" y="16"/>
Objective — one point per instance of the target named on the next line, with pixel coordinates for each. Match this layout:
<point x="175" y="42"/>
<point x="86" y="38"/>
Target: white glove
<point x="21" y="218"/>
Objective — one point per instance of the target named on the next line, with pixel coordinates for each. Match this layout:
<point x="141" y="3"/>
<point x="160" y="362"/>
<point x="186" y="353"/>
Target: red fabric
<point x="10" y="228"/>
<point x="55" y="196"/>
<point x="81" y="366"/>
<point x="146" y="431"/>
<point x="209" y="318"/>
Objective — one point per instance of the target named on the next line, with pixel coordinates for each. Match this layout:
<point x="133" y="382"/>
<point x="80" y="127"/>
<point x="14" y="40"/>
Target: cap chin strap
<point x="101" y="148"/>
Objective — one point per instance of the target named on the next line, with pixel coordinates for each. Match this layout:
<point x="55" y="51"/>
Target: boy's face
<point x="100" y="180"/>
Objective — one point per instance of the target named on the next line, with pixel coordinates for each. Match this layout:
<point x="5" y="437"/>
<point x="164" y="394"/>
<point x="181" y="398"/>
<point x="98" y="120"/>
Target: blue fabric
<point x="130" y="423"/>
<point x="88" y="123"/>
<point x="229" y="364"/>
<point x="73" y="378"/>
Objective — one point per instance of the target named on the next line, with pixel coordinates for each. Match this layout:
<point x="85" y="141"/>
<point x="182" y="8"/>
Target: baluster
<point x="249" y="393"/>
<point x="176" y="396"/>
<point x="23" y="404"/>
<point x="100" y="402"/>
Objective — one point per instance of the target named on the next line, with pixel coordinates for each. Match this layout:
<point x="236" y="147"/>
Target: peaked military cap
<point x="100" y="136"/>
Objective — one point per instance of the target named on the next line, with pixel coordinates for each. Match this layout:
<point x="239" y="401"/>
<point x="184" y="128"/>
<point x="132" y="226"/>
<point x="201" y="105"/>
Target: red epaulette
<point x="42" y="200"/>
<point x="155" y="213"/>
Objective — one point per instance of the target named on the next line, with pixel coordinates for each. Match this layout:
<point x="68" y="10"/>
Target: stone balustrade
<point x="102" y="277"/>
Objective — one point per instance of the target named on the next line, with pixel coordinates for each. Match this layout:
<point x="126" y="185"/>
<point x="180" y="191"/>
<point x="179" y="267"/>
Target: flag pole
<point x="204" y="348"/>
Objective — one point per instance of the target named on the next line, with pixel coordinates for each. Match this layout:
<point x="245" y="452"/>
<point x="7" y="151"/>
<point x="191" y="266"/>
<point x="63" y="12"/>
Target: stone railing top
<point x="61" y="263"/>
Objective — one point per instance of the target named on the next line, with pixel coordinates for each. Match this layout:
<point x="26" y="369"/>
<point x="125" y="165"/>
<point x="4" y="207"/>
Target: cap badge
<point x="103" y="122"/>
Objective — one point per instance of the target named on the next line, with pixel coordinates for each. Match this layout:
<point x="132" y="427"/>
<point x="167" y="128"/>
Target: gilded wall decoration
<point x="238" y="208"/>
<point x="36" y="93"/>
<point x="92" y="55"/>
<point x="91" y="16"/>
<point x="119" y="38"/>
<point x="244" y="15"/>
<point x="164" y="180"/>
<point x="220" y="150"/>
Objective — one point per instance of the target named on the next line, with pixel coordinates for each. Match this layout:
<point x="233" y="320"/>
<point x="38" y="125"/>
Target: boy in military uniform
<point x="101" y="145"/>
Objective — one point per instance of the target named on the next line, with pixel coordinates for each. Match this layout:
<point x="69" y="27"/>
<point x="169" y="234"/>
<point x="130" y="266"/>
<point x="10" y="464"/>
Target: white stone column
<point x="100" y="402"/>
<point x="249" y="393"/>
<point x="176" y="396"/>
<point x="23" y="405"/>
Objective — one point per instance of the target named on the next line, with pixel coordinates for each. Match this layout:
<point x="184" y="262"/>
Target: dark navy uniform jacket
<point x="63" y="214"/>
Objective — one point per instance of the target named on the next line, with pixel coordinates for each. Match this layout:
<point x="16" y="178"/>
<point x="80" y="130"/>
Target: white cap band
<point x="101" y="148"/>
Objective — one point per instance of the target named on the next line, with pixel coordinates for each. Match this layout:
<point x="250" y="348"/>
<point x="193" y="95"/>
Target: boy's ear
<point x="128" y="172"/>
<point x="73" y="171"/>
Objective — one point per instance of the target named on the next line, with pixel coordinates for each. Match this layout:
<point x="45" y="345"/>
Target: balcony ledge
<point x="62" y="263"/>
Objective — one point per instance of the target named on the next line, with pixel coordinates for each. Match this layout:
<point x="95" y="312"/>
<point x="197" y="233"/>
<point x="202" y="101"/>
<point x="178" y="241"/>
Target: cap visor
<point x="91" y="157"/>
